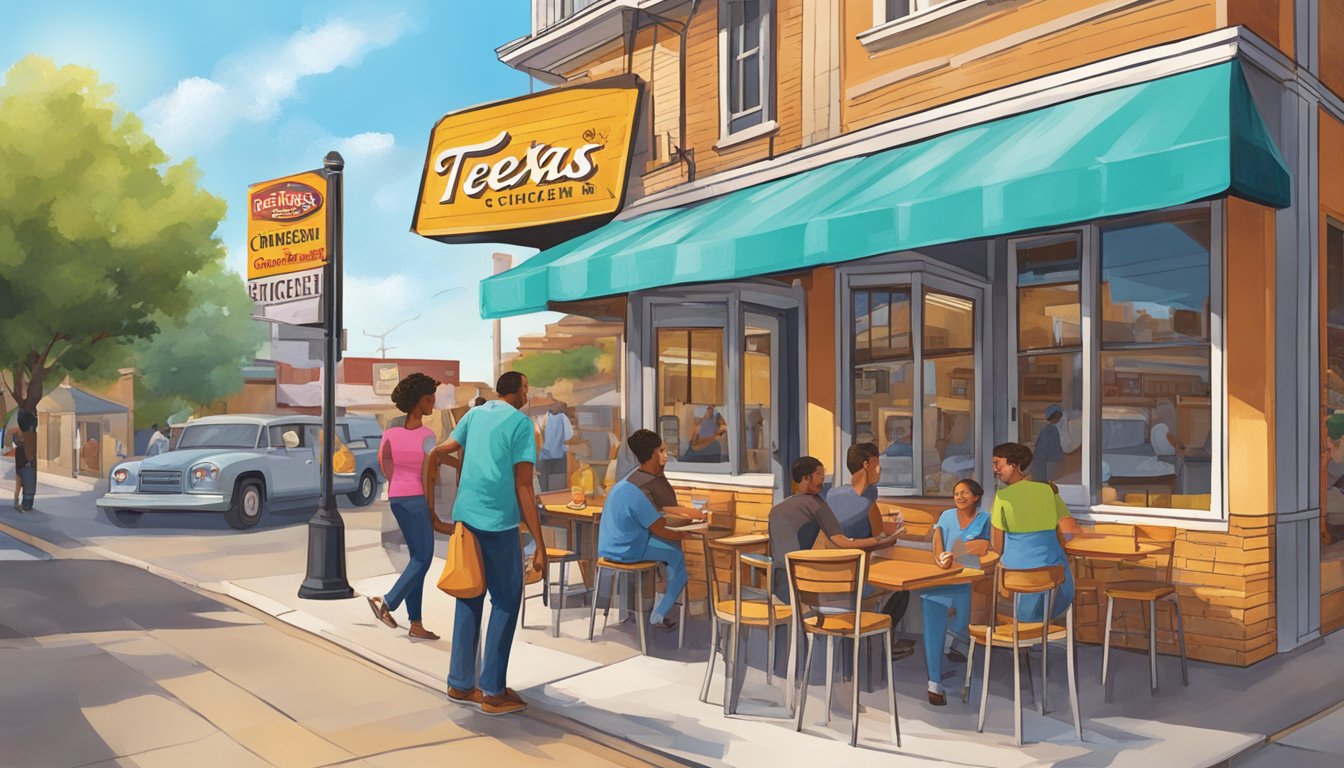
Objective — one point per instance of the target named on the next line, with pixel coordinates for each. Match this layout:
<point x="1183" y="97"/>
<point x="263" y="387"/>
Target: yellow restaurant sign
<point x="286" y="225"/>
<point x="534" y="170"/>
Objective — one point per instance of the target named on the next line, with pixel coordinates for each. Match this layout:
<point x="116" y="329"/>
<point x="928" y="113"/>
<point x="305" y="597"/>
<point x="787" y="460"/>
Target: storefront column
<point x="1297" y="544"/>
<point x="822" y="340"/>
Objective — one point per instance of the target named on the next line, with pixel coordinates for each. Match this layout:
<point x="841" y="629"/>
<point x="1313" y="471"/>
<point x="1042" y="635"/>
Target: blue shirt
<point x="950" y="527"/>
<point x="558" y="431"/>
<point x="851" y="509"/>
<point x="496" y="436"/>
<point x="627" y="514"/>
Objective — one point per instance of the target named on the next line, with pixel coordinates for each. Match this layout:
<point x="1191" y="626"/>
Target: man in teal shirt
<point x="495" y="493"/>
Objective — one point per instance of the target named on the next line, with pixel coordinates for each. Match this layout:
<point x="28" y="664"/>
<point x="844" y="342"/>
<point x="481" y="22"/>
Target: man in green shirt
<point x="494" y="494"/>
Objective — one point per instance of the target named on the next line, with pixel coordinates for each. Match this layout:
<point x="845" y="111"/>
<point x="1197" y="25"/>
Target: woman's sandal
<point x="424" y="634"/>
<point x="381" y="612"/>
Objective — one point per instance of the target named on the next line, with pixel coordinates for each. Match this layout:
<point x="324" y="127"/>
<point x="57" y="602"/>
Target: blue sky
<point x="255" y="90"/>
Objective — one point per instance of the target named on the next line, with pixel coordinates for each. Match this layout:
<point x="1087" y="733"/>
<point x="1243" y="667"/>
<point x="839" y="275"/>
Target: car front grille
<point x="160" y="481"/>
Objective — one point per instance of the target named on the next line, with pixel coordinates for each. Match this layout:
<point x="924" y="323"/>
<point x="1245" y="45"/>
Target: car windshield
<point x="218" y="436"/>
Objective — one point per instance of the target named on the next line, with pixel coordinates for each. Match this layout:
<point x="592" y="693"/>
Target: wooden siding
<point x="1270" y="19"/>
<point x="1331" y="44"/>
<point x="938" y="75"/>
<point x="1330" y="158"/>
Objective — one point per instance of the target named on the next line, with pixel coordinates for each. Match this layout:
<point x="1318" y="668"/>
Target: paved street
<point x="105" y="664"/>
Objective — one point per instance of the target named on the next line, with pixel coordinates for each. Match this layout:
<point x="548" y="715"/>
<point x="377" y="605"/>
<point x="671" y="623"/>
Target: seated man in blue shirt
<point x="855" y="508"/>
<point x="632" y="530"/>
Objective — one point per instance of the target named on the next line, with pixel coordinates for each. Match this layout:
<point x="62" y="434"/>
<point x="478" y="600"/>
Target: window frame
<point x="913" y="270"/>
<point x="1089" y="508"/>
<point x="727" y="65"/>
<point x="689" y="316"/>
<point x="913" y="8"/>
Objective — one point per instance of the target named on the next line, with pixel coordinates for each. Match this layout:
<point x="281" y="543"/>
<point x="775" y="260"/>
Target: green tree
<point x="543" y="369"/>
<point x="97" y="230"/>
<point x="197" y="358"/>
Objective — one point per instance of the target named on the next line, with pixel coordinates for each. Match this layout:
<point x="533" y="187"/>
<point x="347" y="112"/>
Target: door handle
<point x="310" y="461"/>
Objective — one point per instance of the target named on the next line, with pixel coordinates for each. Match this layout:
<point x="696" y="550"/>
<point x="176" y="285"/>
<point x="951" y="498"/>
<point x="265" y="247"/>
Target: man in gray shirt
<point x="796" y="522"/>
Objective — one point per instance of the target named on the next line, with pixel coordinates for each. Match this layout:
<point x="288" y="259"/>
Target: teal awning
<point x="1142" y="147"/>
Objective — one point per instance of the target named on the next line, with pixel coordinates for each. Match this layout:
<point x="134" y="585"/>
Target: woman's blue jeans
<point x="412" y="513"/>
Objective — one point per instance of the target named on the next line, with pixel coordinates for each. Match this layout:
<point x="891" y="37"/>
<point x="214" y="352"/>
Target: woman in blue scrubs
<point x="966" y="525"/>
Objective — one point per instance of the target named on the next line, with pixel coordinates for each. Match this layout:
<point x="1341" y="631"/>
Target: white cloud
<point x="364" y="147"/>
<point x="199" y="112"/>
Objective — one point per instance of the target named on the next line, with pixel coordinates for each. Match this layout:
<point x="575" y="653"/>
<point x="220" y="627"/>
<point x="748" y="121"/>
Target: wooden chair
<point x="839" y="574"/>
<point x="1150" y="592"/>
<point x="734" y="609"/>
<point x="636" y="571"/>
<point x="1018" y="635"/>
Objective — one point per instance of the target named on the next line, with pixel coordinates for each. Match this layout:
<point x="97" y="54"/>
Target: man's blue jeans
<point x="668" y="554"/>
<point x="28" y="474"/>
<point x="502" y="555"/>
<point x="412" y="513"/>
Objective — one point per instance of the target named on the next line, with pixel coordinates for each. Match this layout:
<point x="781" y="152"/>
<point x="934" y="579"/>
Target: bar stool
<point x="554" y="556"/>
<point x="1150" y="591"/>
<point x="637" y="571"/>
<point x="735" y="611"/>
<point x="837" y="573"/>
<point x="1018" y="635"/>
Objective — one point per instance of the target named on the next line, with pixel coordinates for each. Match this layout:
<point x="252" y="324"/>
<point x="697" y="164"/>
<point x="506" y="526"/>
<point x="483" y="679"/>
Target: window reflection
<point x="756" y="398"/>
<point x="949" y="392"/>
<point x="1050" y="395"/>
<point x="690" y="394"/>
<point x="1156" y="393"/>
<point x="884" y="381"/>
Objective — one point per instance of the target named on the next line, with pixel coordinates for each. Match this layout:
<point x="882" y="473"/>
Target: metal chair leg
<point x="730" y="661"/>
<point x="739" y="667"/>
<point x="1106" y="640"/>
<point x="1045" y="651"/>
<point x="791" y="672"/>
<point x="713" y="654"/>
<point x="681" y="625"/>
<point x="564" y="587"/>
<point x="970" y="665"/>
<point x="1152" y="647"/>
<point x="984" y="684"/>
<point x="592" y="605"/>
<point x="640" y="618"/>
<point x="854" y="698"/>
<point x="830" y="675"/>
<point x="802" y="684"/>
<point x="891" y="693"/>
<point x="769" y="653"/>
<point x="1031" y="676"/>
<point x="1180" y="636"/>
<point x="1073" y="676"/>
<point x="612" y="593"/>
<point x="1017" y="679"/>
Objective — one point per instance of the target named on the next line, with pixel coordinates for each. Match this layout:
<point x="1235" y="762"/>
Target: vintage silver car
<point x="243" y="465"/>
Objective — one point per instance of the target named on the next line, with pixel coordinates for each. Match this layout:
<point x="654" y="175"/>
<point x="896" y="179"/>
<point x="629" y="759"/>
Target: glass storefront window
<point x="887" y="392"/>
<point x="691" y="394"/>
<point x="1048" y="310"/>
<point x="1332" y="434"/>
<point x="1156" y="388"/>
<point x="1155" y="278"/>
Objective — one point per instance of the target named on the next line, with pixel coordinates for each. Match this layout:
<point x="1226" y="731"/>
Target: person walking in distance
<point x="27" y="468"/>
<point x="401" y="456"/>
<point x="494" y="495"/>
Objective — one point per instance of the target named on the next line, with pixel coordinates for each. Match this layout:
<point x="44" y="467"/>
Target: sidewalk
<point x="654" y="701"/>
<point x="1225" y="714"/>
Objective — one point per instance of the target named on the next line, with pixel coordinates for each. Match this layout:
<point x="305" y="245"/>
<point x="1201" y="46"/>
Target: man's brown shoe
<point x="471" y="698"/>
<point x="937" y="699"/>
<point x="505" y="703"/>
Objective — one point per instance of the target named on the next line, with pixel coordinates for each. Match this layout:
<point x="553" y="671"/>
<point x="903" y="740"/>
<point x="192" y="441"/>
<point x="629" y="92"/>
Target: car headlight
<point x="122" y="481"/>
<point x="204" y="475"/>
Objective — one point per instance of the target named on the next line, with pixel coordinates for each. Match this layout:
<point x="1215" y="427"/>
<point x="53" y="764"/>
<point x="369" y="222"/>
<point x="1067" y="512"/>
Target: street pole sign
<point x="325" y="578"/>
<point x="288" y="234"/>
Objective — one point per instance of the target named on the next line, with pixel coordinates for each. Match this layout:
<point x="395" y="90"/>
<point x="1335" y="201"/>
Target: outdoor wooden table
<point x="586" y="519"/>
<point x="911" y="575"/>
<point x="1099" y="546"/>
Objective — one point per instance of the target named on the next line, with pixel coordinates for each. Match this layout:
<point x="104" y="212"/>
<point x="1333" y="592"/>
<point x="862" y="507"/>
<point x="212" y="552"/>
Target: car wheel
<point x="249" y="500"/>
<point x="367" y="491"/>
<point x="124" y="518"/>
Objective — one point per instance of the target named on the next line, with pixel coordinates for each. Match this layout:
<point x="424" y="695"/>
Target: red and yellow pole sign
<point x="534" y="170"/>
<point x="287" y="247"/>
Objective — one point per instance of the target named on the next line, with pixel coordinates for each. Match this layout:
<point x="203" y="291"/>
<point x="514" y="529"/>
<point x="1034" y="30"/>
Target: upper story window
<point x="746" y="53"/>
<point x="891" y="10"/>
<point x="555" y="11"/>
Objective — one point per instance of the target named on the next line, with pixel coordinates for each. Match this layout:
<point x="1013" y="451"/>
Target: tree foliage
<point x="197" y="358"/>
<point x="97" y="231"/>
<point x="543" y="369"/>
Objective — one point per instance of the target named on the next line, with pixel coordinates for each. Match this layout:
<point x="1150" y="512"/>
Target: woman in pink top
<point x="402" y="459"/>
